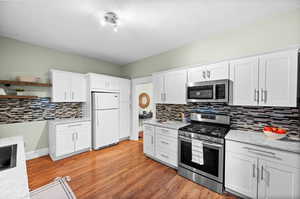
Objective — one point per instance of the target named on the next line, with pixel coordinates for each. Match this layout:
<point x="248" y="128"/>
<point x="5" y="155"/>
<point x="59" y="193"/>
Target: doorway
<point x="143" y="108"/>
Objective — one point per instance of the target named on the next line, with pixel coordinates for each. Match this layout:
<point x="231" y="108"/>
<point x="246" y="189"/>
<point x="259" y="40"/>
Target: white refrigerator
<point x="106" y="119"/>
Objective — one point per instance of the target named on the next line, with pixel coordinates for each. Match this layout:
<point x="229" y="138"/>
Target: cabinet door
<point x="158" y="88"/>
<point x="65" y="142"/>
<point x="113" y="83"/>
<point x="244" y="77"/>
<point x="218" y="71"/>
<point x="278" y="79"/>
<point x="125" y="90"/>
<point x="124" y="119"/>
<point x="278" y="181"/>
<point x="241" y="174"/>
<point x="79" y="88"/>
<point x="197" y="74"/>
<point x="61" y="84"/>
<point x="149" y="140"/>
<point x="175" y="87"/>
<point x="98" y="81"/>
<point x="83" y="135"/>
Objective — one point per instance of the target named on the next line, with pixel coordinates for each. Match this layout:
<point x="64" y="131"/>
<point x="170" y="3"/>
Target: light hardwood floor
<point x="121" y="171"/>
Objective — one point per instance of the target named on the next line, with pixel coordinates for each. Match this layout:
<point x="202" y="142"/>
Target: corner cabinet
<point x="68" y="86"/>
<point x="170" y="87"/>
<point x="267" y="80"/>
<point x="258" y="172"/>
<point x="66" y="139"/>
<point x="161" y="144"/>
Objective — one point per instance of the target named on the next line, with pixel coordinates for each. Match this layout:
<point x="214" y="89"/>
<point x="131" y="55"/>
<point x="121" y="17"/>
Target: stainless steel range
<point x="210" y="130"/>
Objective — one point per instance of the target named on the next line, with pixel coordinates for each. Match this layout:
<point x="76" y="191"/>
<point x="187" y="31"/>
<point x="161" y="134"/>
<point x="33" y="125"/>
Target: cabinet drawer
<point x="166" y="157"/>
<point x="167" y="132"/>
<point x="282" y="157"/>
<point x="168" y="143"/>
<point x="86" y="126"/>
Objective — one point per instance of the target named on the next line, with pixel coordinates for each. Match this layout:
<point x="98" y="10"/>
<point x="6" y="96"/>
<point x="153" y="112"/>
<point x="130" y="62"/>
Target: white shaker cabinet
<point x="259" y="172"/>
<point x="158" y="81"/>
<point x="68" y="86"/>
<point x="170" y="87"/>
<point x="210" y="72"/>
<point x="68" y="138"/>
<point x="197" y="74"/>
<point x="103" y="82"/>
<point x="278" y="181"/>
<point x="149" y="139"/>
<point x="241" y="174"/>
<point x="267" y="80"/>
<point x="278" y="78"/>
<point x="244" y="75"/>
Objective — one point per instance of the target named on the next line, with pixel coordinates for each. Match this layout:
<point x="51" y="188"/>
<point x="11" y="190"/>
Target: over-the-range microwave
<point x="208" y="91"/>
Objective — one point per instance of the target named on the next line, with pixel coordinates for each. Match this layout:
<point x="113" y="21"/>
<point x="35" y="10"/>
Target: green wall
<point x="19" y="58"/>
<point x="275" y="32"/>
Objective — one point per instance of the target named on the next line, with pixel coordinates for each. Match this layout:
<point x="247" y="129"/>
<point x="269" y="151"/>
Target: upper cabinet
<point x="209" y="73"/>
<point x="268" y="80"/>
<point x="278" y="79"/>
<point x="170" y="87"/>
<point x="68" y="86"/>
<point x="103" y="82"/>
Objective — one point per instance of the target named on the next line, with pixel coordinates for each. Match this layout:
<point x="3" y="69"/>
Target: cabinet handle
<point x="208" y="74"/>
<point x="262" y="99"/>
<point x="204" y="75"/>
<point x="256" y="95"/>
<point x="253" y="170"/>
<point x="72" y="95"/>
<point x="265" y="96"/>
<point x="262" y="172"/>
<point x="74" y="125"/>
<point x="163" y="142"/>
<point x="65" y="95"/>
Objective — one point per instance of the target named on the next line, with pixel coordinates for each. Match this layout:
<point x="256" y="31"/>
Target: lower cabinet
<point x="161" y="144"/>
<point x="149" y="140"/>
<point x="258" y="172"/>
<point x="69" y="139"/>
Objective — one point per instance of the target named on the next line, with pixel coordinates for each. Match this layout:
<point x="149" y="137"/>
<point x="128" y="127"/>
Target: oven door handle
<point x="204" y="142"/>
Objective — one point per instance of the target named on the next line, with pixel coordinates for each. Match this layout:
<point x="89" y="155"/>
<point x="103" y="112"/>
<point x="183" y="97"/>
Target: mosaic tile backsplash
<point x="27" y="110"/>
<point x="242" y="118"/>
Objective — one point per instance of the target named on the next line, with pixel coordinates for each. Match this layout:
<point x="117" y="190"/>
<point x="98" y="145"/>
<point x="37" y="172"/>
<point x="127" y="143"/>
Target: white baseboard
<point x="37" y="153"/>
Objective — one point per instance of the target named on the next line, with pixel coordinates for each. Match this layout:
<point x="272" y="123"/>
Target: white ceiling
<point x="148" y="27"/>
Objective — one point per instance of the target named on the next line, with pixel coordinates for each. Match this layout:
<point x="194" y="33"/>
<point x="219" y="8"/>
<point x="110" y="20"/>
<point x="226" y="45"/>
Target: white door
<point x="278" y="181"/>
<point x="83" y="136"/>
<point x="125" y="89"/>
<point x="244" y="77"/>
<point x="65" y="142"/>
<point x="61" y="84"/>
<point x="197" y="74"/>
<point x="241" y="174"/>
<point x="158" y="88"/>
<point x="218" y="71"/>
<point x="278" y="79"/>
<point x="149" y="140"/>
<point x="79" y="88"/>
<point x="106" y="100"/>
<point x="175" y="87"/>
<point x="124" y="119"/>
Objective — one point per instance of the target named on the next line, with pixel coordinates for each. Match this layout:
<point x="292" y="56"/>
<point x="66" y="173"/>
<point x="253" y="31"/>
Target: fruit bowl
<point x="274" y="136"/>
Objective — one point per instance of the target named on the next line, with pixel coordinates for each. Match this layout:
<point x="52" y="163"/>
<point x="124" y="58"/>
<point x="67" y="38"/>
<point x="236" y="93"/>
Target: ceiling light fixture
<point x="111" y="19"/>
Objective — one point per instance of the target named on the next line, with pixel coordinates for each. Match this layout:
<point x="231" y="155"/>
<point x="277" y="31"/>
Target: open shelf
<point x="17" y="97"/>
<point x="19" y="83"/>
